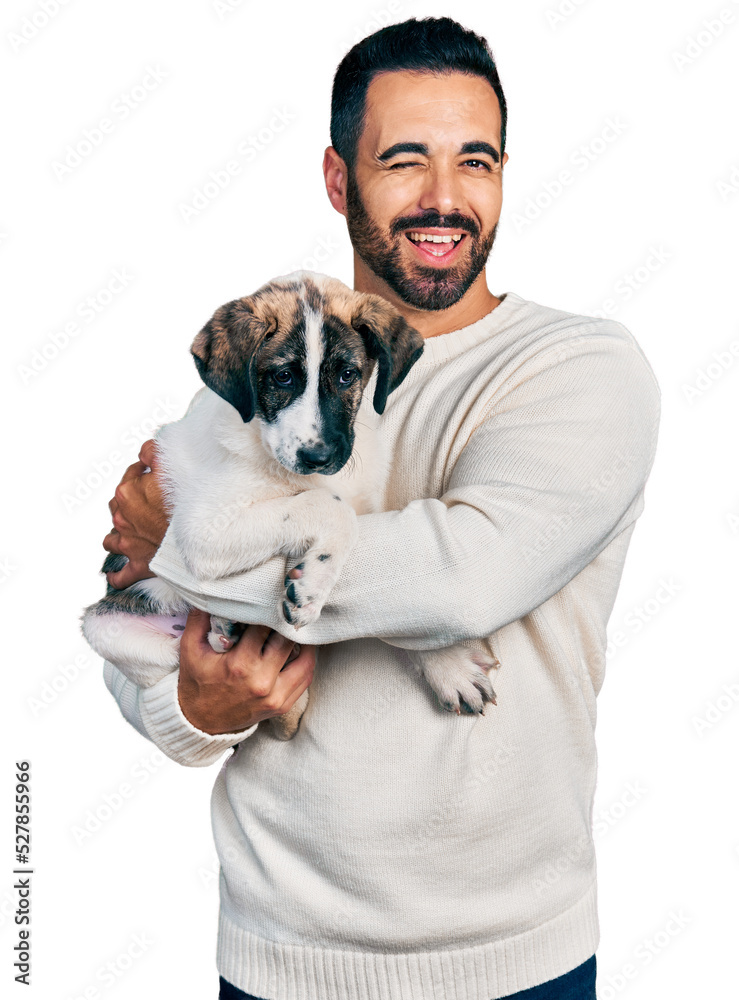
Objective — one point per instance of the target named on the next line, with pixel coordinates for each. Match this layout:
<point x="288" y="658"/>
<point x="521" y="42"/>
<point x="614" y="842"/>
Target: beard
<point x="423" y="287"/>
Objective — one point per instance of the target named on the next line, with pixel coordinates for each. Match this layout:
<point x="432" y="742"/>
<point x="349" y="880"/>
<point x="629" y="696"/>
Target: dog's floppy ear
<point x="391" y="340"/>
<point x="225" y="351"/>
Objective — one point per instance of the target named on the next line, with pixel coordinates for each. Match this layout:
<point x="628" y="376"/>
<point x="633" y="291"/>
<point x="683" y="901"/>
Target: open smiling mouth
<point x="436" y="246"/>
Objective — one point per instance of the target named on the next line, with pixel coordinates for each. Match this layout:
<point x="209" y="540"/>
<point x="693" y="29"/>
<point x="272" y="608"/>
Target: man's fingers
<point x="255" y="680"/>
<point x="116" y="580"/>
<point x="112" y="542"/>
<point x="305" y="660"/>
<point x="148" y="453"/>
<point x="196" y="629"/>
<point x="119" y="521"/>
<point x="276" y="645"/>
<point x="294" y="653"/>
<point x="119" y="580"/>
<point x="133" y="471"/>
<point x="294" y="678"/>
<point x="131" y="573"/>
<point x="249" y="648"/>
<point x="257" y="659"/>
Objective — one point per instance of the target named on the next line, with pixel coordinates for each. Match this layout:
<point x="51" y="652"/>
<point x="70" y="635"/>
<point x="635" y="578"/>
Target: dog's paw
<point x="459" y="676"/>
<point x="224" y="634"/>
<point x="307" y="586"/>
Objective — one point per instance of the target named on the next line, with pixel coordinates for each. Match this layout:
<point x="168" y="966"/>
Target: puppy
<point x="277" y="455"/>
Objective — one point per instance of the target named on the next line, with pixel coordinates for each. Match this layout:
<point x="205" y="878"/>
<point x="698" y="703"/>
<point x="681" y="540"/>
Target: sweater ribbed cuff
<point x="175" y="735"/>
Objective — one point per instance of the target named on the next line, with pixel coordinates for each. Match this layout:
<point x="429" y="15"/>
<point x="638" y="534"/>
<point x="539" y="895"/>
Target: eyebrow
<point x="476" y="146"/>
<point x="404" y="147"/>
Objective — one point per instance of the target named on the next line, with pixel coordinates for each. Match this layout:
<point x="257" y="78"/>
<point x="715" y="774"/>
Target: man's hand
<point x="140" y="519"/>
<point x="228" y="692"/>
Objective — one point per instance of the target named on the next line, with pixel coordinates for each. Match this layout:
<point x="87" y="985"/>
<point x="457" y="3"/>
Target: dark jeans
<point x="576" y="985"/>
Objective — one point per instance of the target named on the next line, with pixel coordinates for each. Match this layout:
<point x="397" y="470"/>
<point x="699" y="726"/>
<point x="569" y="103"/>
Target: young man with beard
<point x="390" y="850"/>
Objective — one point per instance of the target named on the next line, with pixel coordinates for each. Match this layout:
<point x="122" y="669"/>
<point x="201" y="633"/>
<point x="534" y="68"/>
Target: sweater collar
<point x="449" y="345"/>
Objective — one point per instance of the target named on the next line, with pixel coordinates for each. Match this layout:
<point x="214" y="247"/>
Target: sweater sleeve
<point x="553" y="472"/>
<point x="155" y="713"/>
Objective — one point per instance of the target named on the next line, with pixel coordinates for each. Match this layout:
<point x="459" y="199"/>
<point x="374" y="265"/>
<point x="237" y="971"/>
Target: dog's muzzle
<point x="323" y="458"/>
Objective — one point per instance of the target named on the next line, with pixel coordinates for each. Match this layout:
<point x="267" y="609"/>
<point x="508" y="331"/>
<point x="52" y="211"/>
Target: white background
<point x="655" y="201"/>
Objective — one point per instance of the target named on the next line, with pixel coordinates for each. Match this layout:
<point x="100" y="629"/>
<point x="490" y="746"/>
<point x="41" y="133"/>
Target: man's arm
<point x="215" y="700"/>
<point x="552" y="475"/>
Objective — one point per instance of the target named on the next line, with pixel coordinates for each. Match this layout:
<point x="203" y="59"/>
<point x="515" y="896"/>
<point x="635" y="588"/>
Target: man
<point x="391" y="850"/>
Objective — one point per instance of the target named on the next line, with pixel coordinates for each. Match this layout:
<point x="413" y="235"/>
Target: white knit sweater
<point x="392" y="851"/>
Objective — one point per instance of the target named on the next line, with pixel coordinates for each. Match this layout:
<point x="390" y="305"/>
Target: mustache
<point x="432" y="220"/>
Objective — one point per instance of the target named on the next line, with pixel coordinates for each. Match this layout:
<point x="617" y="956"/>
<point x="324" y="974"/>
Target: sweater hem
<point x="274" y="971"/>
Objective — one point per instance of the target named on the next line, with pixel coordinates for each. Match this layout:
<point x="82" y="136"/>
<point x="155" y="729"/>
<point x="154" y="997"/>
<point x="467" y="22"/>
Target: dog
<point x="277" y="454"/>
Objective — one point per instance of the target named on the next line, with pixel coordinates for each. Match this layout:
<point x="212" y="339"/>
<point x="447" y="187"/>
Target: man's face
<point x="427" y="168"/>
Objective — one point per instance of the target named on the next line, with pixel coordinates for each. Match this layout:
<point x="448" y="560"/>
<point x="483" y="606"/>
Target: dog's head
<point x="298" y="354"/>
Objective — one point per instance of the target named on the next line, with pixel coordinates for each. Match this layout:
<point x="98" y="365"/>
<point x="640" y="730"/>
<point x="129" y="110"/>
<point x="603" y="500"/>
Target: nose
<point x="315" y="457"/>
<point x="441" y="190"/>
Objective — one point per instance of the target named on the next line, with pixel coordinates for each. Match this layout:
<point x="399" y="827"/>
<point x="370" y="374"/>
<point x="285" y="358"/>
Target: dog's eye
<point x="283" y="378"/>
<point x="348" y="376"/>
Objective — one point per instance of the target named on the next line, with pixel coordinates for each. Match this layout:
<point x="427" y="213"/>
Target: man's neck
<point x="477" y="302"/>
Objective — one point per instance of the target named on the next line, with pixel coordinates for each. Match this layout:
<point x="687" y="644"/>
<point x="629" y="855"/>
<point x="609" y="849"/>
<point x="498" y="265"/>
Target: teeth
<point x="425" y="237"/>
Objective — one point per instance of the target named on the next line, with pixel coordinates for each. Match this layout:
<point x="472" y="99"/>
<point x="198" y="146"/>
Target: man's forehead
<point x="400" y="100"/>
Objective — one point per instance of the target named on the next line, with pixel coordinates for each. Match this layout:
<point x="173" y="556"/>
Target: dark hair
<point x="432" y="45"/>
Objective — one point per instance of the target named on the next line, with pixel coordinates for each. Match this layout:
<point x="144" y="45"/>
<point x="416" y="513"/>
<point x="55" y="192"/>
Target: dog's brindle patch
<point x="129" y="602"/>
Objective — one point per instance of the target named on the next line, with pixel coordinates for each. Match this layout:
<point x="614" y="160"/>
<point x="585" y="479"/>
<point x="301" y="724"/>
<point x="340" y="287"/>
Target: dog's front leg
<point x="315" y="529"/>
<point x="326" y="532"/>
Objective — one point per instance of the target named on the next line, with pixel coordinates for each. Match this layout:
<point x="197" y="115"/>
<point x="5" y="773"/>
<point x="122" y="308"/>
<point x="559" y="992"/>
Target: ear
<point x="225" y="351"/>
<point x="390" y="339"/>
<point x="334" y="174"/>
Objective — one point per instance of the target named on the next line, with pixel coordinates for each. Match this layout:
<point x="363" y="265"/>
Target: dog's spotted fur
<point x="255" y="467"/>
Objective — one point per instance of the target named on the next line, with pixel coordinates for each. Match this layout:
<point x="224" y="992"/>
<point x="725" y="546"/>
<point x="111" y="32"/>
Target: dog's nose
<point x="315" y="457"/>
